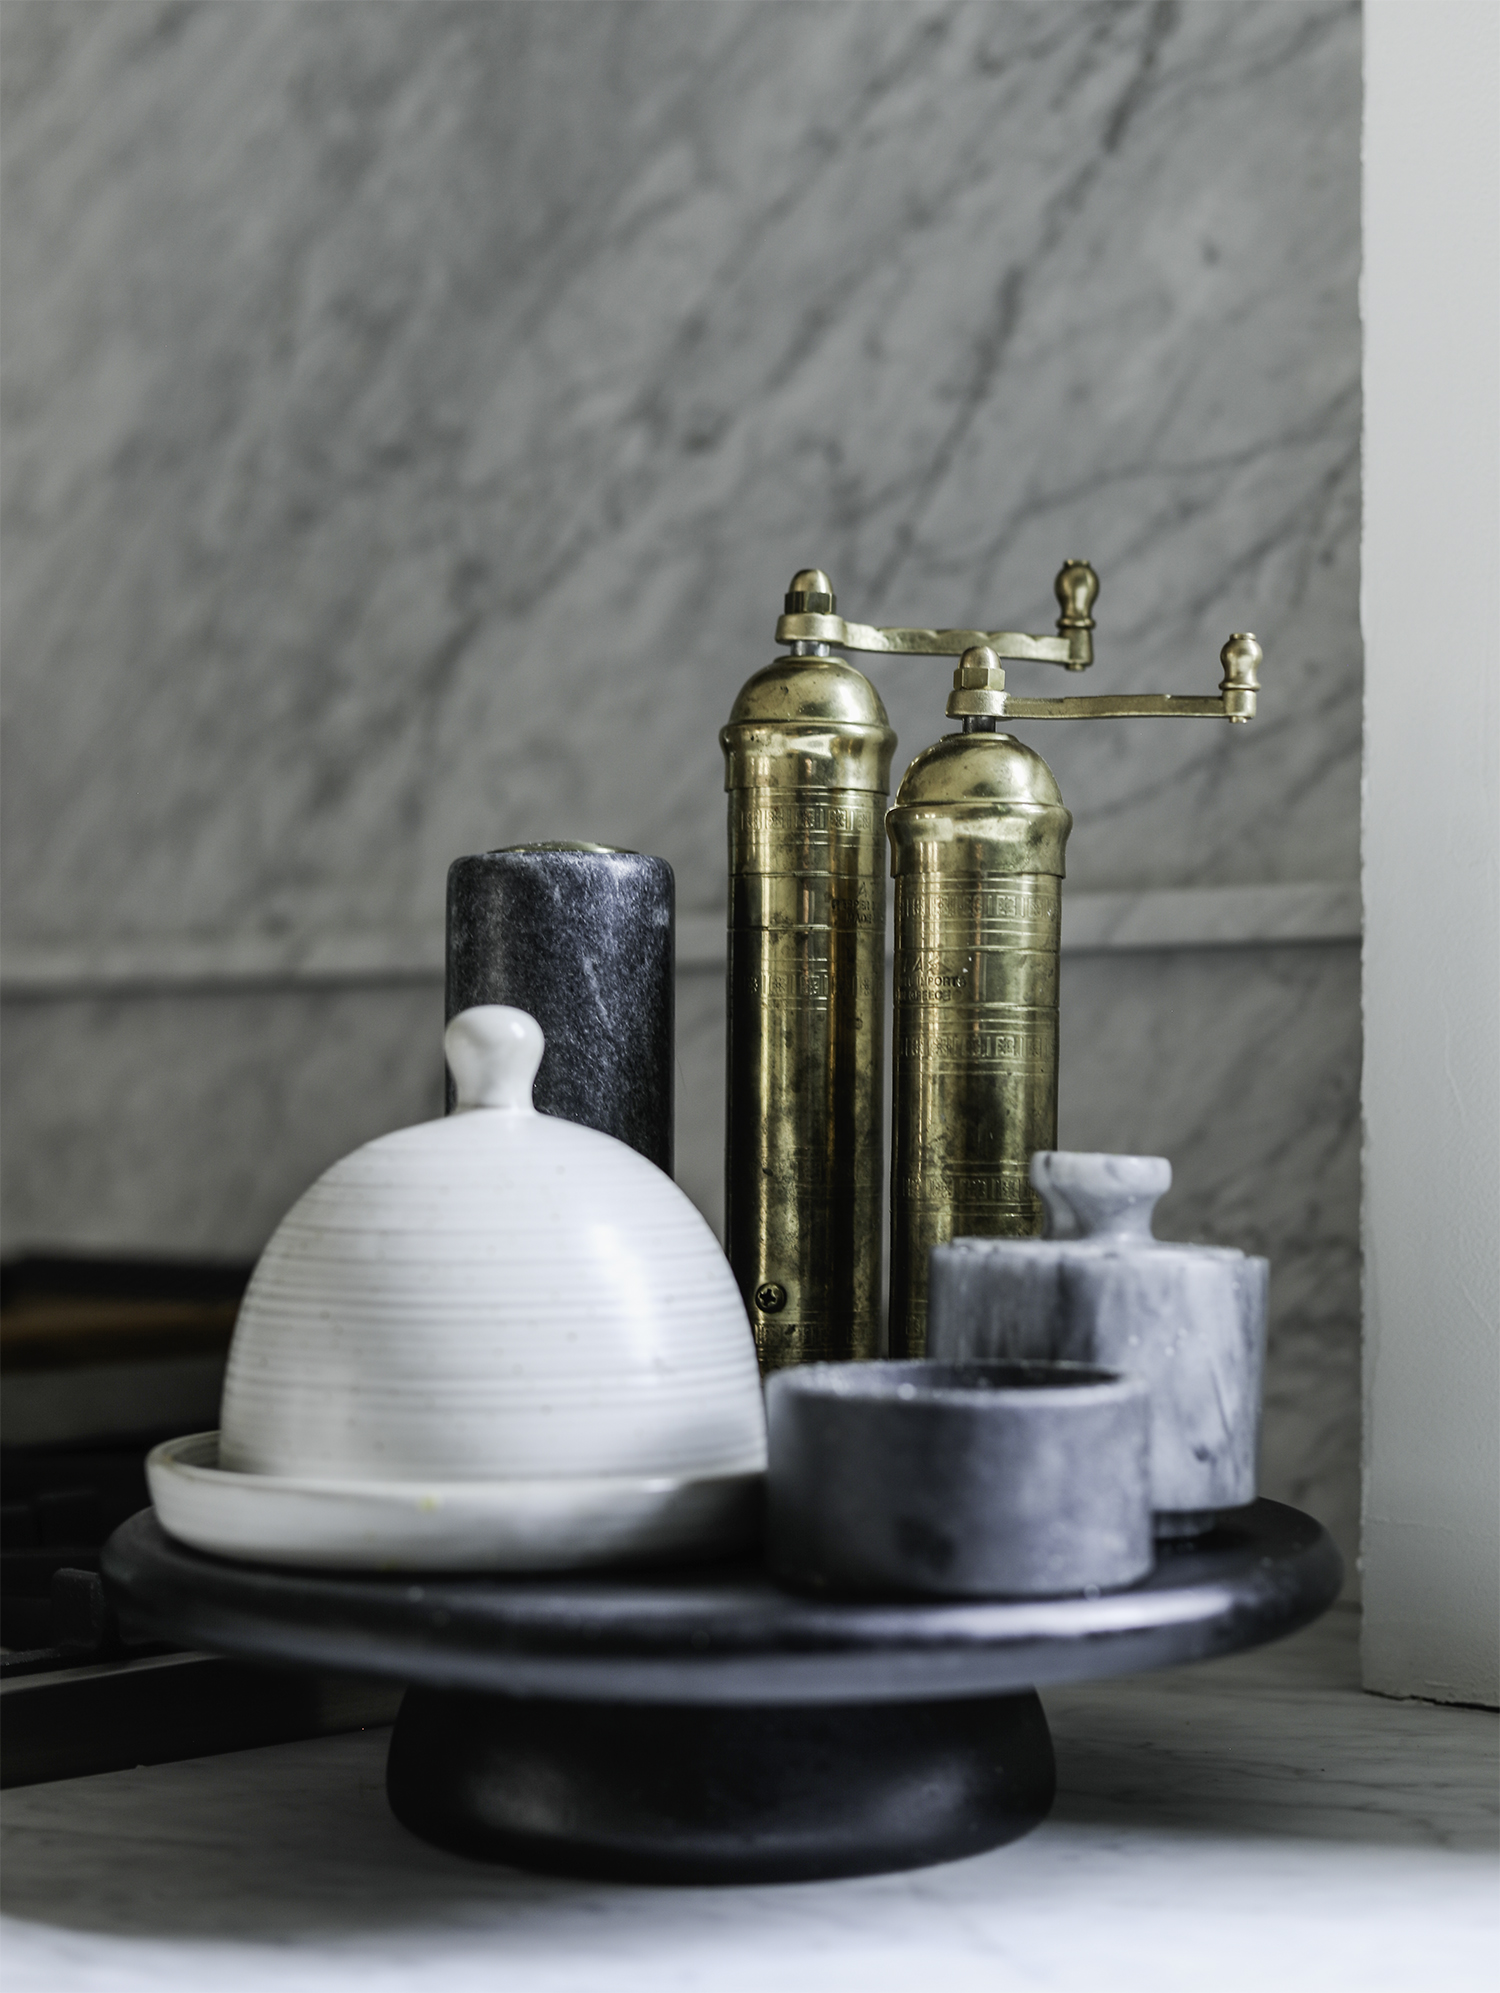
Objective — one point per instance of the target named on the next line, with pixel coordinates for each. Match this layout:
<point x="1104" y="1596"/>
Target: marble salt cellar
<point x="1188" y="1320"/>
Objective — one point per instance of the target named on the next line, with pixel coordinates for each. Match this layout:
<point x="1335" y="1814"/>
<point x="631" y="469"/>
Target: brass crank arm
<point x="1074" y="650"/>
<point x="979" y="692"/>
<point x="810" y="619"/>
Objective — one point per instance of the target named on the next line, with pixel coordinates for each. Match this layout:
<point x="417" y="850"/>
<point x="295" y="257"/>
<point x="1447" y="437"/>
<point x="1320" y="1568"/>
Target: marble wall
<point x="413" y="412"/>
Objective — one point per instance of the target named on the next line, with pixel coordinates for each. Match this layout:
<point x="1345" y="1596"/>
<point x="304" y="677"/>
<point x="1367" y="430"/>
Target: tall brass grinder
<point x="977" y="840"/>
<point x="807" y="755"/>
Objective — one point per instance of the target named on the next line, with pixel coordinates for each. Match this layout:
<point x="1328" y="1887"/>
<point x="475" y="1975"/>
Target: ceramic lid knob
<point x="493" y="1053"/>
<point x="1099" y="1196"/>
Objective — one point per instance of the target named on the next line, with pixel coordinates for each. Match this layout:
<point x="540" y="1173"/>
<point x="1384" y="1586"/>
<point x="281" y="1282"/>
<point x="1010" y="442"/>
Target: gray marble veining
<point x="189" y="1125"/>
<point x="415" y="410"/>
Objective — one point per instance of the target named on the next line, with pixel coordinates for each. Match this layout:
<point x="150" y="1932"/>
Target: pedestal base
<point x="718" y="1794"/>
<point x="701" y="1724"/>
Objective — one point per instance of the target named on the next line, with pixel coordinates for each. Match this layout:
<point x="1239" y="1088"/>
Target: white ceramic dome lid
<point x="499" y="1294"/>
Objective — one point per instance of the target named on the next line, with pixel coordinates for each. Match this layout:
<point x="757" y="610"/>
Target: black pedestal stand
<point x="700" y="1725"/>
<point x="767" y="1794"/>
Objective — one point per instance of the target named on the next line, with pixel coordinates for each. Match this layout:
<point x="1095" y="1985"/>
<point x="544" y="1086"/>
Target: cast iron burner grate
<point x="78" y="1693"/>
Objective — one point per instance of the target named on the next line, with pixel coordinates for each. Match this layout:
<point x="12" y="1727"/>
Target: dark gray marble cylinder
<point x="583" y="937"/>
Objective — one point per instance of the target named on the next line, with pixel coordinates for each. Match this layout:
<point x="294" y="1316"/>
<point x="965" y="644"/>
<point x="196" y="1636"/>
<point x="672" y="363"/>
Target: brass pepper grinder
<point x="807" y="762"/>
<point x="978" y="835"/>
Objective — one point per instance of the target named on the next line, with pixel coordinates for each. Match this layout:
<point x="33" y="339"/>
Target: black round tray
<point x="700" y="1723"/>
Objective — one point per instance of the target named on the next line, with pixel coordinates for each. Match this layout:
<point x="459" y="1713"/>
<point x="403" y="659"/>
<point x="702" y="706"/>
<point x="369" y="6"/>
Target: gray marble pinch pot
<point x="1189" y="1321"/>
<point x="969" y="1480"/>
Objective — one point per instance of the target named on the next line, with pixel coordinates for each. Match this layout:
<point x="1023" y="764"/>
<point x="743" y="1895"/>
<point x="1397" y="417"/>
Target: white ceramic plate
<point x="534" y="1525"/>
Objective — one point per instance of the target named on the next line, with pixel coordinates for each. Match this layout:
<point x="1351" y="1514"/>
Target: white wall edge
<point x="1431" y="851"/>
<point x="1093" y="923"/>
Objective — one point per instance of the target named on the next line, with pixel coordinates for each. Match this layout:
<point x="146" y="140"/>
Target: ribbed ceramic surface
<point x="497" y="1294"/>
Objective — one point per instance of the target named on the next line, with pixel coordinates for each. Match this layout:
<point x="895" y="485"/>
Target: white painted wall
<point x="1431" y="850"/>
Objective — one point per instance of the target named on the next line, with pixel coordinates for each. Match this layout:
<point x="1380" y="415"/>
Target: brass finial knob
<point x="1077" y="590"/>
<point x="811" y="594"/>
<point x="1240" y="658"/>
<point x="978" y="686"/>
<point x="978" y="666"/>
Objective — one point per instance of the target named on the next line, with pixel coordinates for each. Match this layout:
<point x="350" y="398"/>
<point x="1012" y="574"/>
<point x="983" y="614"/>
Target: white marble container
<point x="1190" y="1321"/>
<point x="512" y="1326"/>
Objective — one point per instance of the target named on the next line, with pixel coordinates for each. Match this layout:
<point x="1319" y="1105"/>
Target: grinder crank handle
<point x="979" y="693"/>
<point x="810" y="619"/>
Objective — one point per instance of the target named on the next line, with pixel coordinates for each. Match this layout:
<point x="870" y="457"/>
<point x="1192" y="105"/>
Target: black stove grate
<point x="77" y="1694"/>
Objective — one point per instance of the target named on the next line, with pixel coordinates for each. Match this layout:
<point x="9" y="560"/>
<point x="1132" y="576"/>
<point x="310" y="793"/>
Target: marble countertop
<point x="1255" y="1823"/>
